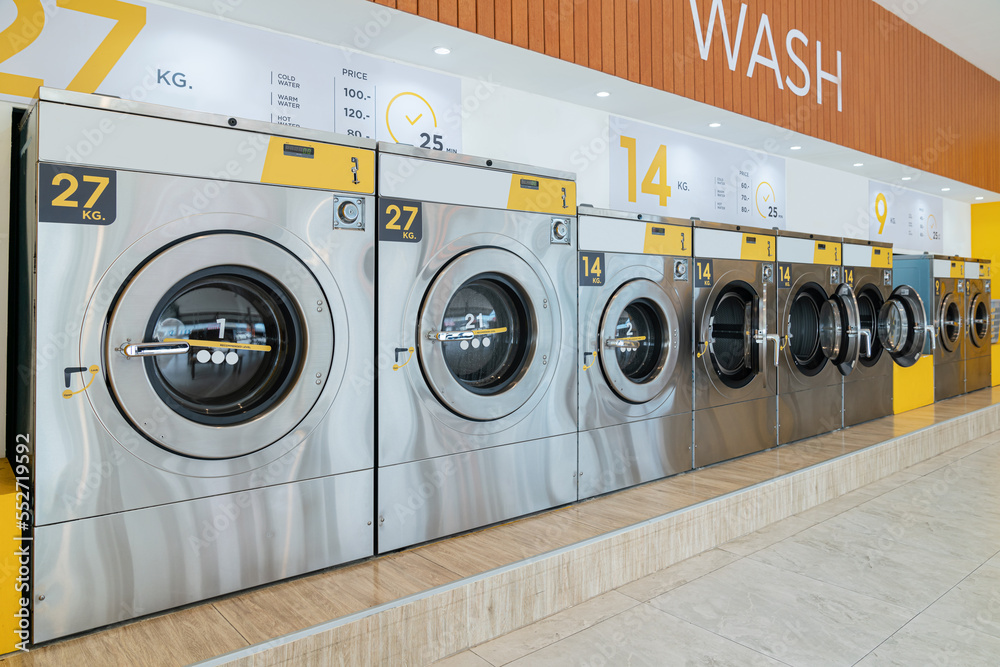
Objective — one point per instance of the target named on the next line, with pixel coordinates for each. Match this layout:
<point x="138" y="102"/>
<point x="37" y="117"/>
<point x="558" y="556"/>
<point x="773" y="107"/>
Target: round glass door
<point x="950" y="322"/>
<point x="210" y="355"/>
<point x="731" y="344"/>
<point x="979" y="320"/>
<point x="901" y="325"/>
<point x="485" y="334"/>
<point x="638" y="341"/>
<point x="494" y="313"/>
<point x="244" y="337"/>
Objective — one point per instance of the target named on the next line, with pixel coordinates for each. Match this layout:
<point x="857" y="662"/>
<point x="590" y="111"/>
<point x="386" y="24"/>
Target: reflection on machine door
<point x="492" y="334"/>
<point x="641" y="327"/>
<point x="637" y="341"/>
<point x="481" y="346"/>
<point x="732" y="334"/>
<point x="244" y="337"/>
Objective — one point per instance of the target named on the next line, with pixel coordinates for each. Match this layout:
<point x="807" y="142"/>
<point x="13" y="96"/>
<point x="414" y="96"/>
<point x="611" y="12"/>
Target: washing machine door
<point x="823" y="328"/>
<point x="979" y="320"/>
<point x="218" y="346"/>
<point x="733" y="345"/>
<point x="639" y="341"/>
<point x="870" y="301"/>
<point x="902" y="325"/>
<point x="845" y="303"/>
<point x="950" y="327"/>
<point x="486" y="334"/>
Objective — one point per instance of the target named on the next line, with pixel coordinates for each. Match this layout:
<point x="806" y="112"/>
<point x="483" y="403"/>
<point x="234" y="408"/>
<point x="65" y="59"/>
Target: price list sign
<point x="151" y="53"/>
<point x="663" y="172"/>
<point x="906" y="218"/>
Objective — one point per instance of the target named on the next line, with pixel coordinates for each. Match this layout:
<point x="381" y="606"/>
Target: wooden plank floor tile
<point x="178" y="638"/>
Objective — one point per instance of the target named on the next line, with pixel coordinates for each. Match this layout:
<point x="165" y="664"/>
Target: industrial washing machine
<point x="635" y="349"/>
<point x="818" y="325"/>
<point x="944" y="278"/>
<point x="477" y="340"/>
<point x="190" y="375"/>
<point x="978" y="359"/>
<point x="894" y="333"/>
<point x="950" y="308"/>
<point x="736" y="342"/>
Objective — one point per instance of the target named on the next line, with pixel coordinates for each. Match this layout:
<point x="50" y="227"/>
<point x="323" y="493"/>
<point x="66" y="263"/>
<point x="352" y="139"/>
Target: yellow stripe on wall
<point x="541" y="195"/>
<point x="330" y="167"/>
<point x="986" y="244"/>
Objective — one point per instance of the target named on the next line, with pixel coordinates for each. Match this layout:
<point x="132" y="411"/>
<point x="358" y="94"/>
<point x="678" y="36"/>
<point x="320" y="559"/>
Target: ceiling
<point x="967" y="27"/>
<point x="410" y="39"/>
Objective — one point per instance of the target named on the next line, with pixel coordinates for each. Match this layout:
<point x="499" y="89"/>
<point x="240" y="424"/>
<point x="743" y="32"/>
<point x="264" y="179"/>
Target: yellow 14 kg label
<point x="77" y="195"/>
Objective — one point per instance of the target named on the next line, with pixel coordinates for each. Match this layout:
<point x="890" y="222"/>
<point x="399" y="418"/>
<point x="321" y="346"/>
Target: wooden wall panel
<point x="906" y="98"/>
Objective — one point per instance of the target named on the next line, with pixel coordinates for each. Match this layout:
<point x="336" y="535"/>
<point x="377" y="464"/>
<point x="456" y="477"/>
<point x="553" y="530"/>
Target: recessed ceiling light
<point x="979" y="198"/>
<point x="796" y="148"/>
<point x="442" y="50"/>
<point x="907" y="178"/>
<point x="715" y="124"/>
<point x="945" y="189"/>
<point x="603" y="93"/>
<point x="859" y="164"/>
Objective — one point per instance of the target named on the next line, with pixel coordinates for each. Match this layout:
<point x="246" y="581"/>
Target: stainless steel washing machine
<point x="635" y="349"/>
<point x="978" y="347"/>
<point x="477" y="340"/>
<point x="896" y="332"/>
<point x="193" y="375"/>
<point x="736" y="341"/>
<point x="950" y="310"/>
<point x="818" y="325"/>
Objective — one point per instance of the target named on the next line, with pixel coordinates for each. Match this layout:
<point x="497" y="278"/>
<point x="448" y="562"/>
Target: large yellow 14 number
<point x="30" y="21"/>
<point x="650" y="185"/>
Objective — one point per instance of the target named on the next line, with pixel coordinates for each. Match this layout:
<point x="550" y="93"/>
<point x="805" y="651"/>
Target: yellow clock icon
<point x="410" y="119"/>
<point x="766" y="200"/>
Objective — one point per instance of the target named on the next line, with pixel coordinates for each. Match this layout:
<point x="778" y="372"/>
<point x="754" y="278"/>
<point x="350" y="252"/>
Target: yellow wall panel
<point x="986" y="245"/>
<point x="913" y="387"/>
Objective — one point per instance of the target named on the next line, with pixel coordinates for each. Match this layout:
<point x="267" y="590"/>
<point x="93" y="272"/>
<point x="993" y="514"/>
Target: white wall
<point x="508" y="124"/>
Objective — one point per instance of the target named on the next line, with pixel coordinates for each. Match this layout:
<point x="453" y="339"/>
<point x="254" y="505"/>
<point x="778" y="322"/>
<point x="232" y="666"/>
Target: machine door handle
<point x="153" y="349"/>
<point x="776" y="339"/>
<point x="444" y="336"/>
<point x="867" y="336"/>
<point x="930" y="332"/>
<point x="631" y="343"/>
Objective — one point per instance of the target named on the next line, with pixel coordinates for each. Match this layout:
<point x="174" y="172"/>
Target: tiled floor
<point x="905" y="571"/>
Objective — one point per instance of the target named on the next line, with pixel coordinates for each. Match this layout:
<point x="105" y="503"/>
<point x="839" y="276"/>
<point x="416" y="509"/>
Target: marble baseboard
<point x="451" y="618"/>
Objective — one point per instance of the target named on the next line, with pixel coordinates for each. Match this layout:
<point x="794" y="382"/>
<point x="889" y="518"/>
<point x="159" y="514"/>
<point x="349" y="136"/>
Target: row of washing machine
<point x="247" y="352"/>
